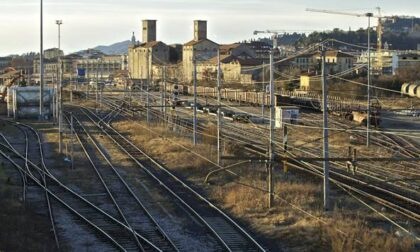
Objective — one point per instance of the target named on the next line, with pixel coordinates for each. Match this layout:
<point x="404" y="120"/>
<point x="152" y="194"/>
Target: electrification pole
<point x="164" y="93"/>
<point x="101" y="88"/>
<point x="219" y="123"/>
<point x="325" y="133"/>
<point x="161" y="92"/>
<point x="97" y="84"/>
<point x="72" y="137"/>
<point x="263" y="98"/>
<point x="149" y="66"/>
<point x="272" y="124"/>
<point x="369" y="15"/>
<point x="41" y="66"/>
<point x="59" y="90"/>
<point x="195" y="103"/>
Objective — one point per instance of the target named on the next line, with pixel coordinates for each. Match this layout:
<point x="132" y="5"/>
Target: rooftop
<point x="195" y="42"/>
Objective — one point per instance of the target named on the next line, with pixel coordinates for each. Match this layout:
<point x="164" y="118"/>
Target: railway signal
<point x="175" y="95"/>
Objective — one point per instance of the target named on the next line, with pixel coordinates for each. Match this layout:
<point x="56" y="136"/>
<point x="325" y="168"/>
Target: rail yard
<point x="119" y="195"/>
<point x="192" y="138"/>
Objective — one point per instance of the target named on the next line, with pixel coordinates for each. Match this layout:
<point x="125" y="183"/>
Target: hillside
<point x="117" y="48"/>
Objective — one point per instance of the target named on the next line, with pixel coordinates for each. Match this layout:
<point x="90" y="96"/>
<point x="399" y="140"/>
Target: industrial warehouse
<point x="201" y="134"/>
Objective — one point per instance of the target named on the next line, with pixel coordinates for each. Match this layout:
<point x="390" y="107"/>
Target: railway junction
<point x="130" y="177"/>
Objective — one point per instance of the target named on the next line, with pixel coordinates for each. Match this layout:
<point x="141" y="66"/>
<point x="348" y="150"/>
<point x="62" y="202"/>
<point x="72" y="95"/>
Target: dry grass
<point x="360" y="237"/>
<point x="283" y="225"/>
<point x="400" y="103"/>
<point x="168" y="147"/>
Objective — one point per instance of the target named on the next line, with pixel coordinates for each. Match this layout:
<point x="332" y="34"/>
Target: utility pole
<point x="97" y="84"/>
<point x="369" y="15"/>
<point x="41" y="67"/>
<point x="101" y="87"/>
<point x="195" y="102"/>
<point x="325" y="133"/>
<point x="272" y="124"/>
<point x="72" y="137"/>
<point x="263" y="98"/>
<point x="149" y="68"/>
<point x="219" y="123"/>
<point x="59" y="90"/>
<point x="164" y="93"/>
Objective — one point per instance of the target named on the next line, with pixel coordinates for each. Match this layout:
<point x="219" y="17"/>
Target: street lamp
<point x="59" y="108"/>
<point x="41" y="65"/>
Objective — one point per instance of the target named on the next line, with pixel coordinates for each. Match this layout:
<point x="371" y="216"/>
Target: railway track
<point x="109" y="230"/>
<point x="34" y="152"/>
<point x="125" y="201"/>
<point x="230" y="235"/>
<point x="403" y="175"/>
<point x="407" y="204"/>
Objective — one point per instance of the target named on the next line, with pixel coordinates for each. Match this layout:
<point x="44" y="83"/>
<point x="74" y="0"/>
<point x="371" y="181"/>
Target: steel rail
<point x="76" y="196"/>
<point x="374" y="177"/>
<point x="391" y="205"/>
<point x="67" y="206"/>
<point x="89" y="136"/>
<point x="385" y="202"/>
<point x="94" y="166"/>
<point x="44" y="167"/>
<point x="23" y="177"/>
<point x="170" y="174"/>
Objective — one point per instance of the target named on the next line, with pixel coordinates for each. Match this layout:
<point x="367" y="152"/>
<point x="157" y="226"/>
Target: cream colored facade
<point x="234" y="70"/>
<point x="200" y="51"/>
<point x="53" y="53"/>
<point x="336" y="61"/>
<point x="51" y="69"/>
<point x="142" y="58"/>
<point x="102" y="68"/>
<point x="308" y="83"/>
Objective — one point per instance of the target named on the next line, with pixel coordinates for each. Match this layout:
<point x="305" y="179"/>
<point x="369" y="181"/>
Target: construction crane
<point x="274" y="35"/>
<point x="369" y="15"/>
<point x="380" y="32"/>
<point x="379" y="28"/>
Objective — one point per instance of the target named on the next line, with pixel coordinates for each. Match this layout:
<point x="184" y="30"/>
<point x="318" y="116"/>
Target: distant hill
<point x="117" y="48"/>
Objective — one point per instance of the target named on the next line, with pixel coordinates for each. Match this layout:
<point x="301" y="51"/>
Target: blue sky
<point x="92" y="22"/>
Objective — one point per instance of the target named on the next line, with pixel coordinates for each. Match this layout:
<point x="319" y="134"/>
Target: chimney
<point x="149" y="31"/>
<point x="200" y="30"/>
